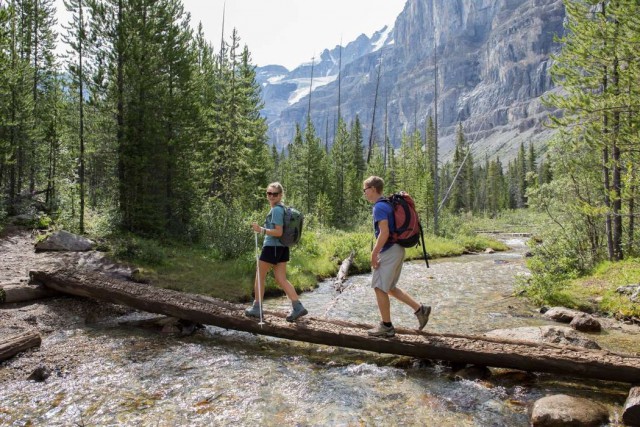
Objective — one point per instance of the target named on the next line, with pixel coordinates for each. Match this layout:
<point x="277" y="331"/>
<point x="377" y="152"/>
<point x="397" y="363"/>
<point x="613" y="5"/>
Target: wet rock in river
<point x="562" y="410"/>
<point x="631" y="414"/>
<point x="40" y="374"/>
<point x="472" y="373"/>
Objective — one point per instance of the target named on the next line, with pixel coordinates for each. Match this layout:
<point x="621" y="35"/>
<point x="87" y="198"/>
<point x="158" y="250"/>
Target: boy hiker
<point x="386" y="260"/>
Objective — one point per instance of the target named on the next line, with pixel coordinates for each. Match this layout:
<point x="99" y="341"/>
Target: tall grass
<point x="199" y="269"/>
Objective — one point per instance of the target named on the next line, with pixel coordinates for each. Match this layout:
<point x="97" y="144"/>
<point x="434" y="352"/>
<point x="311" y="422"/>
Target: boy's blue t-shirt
<point x="275" y="217"/>
<point x="383" y="210"/>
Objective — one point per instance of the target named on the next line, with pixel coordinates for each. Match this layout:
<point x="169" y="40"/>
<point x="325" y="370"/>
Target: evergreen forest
<point x="145" y="127"/>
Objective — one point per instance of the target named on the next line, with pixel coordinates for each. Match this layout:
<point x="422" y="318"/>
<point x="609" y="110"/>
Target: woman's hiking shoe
<point x="382" y="331"/>
<point x="253" y="311"/>
<point x="297" y="311"/>
<point x="423" y="315"/>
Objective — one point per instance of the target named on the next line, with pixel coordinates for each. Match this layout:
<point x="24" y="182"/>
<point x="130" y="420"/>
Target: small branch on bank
<point x="343" y="272"/>
<point x="16" y="343"/>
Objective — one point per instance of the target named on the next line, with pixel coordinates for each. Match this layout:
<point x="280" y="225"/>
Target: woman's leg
<point x="280" y="274"/>
<point x="261" y="277"/>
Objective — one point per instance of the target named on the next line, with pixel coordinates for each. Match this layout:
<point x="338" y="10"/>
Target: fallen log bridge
<point x="479" y="350"/>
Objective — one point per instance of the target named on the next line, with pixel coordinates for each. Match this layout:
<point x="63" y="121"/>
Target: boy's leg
<point x="385" y="329"/>
<point x="401" y="295"/>
<point x="384" y="305"/>
<point x="421" y="311"/>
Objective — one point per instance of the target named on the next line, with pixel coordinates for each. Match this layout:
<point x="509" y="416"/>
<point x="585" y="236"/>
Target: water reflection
<point x="220" y="377"/>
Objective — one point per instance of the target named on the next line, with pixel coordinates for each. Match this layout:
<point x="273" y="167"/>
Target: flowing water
<point x="129" y="376"/>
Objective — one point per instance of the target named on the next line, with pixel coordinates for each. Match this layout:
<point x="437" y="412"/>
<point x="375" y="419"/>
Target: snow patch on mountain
<point x="382" y="38"/>
<point x="303" y="87"/>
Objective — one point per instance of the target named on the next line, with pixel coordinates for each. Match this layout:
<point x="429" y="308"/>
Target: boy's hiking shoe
<point x="423" y="315"/>
<point x="297" y="311"/>
<point x="382" y="331"/>
<point x="253" y="311"/>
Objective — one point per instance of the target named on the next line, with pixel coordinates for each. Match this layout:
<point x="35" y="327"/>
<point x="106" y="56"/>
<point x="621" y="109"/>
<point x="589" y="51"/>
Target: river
<point x="129" y="376"/>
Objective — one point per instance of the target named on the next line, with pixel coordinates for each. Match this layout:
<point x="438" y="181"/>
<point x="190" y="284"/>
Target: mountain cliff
<point x="492" y="59"/>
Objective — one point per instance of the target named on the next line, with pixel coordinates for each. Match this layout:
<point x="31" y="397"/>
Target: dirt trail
<point x="51" y="317"/>
<point x="17" y="256"/>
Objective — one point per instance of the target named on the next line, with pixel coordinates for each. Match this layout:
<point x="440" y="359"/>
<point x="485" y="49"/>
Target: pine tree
<point x="19" y="105"/>
<point x="253" y="131"/>
<point x="315" y="161"/>
<point x="459" y="191"/>
<point x="339" y="174"/>
<point x="76" y="38"/>
<point x="597" y="70"/>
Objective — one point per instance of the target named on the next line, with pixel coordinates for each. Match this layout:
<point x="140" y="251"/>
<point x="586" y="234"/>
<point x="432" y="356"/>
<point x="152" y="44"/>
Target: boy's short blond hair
<point x="375" y="182"/>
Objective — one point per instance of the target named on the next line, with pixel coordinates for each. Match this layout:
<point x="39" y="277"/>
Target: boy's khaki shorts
<point x="386" y="276"/>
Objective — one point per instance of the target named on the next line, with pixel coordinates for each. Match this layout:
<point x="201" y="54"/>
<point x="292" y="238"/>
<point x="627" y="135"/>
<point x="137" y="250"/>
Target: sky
<point x="288" y="32"/>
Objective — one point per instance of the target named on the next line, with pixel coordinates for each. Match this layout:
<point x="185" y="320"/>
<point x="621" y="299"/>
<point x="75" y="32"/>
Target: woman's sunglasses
<point x="270" y="194"/>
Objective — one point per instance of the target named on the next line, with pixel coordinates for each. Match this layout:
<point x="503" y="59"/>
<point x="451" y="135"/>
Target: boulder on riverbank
<point x="632" y="290"/>
<point x="578" y="320"/>
<point x="65" y="241"/>
<point x="562" y="410"/>
<point x="561" y="314"/>
<point x="585" y="323"/>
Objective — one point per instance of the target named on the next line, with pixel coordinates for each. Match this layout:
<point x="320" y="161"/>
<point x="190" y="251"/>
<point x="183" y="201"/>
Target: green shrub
<point x="43" y="221"/>
<point x="137" y="249"/>
<point x="552" y="266"/>
<point x="225" y="229"/>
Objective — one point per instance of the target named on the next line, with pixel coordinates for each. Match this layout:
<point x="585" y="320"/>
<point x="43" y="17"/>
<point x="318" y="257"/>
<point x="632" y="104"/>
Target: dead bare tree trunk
<point x="24" y="292"/>
<point x="343" y="272"/>
<point x="373" y="118"/>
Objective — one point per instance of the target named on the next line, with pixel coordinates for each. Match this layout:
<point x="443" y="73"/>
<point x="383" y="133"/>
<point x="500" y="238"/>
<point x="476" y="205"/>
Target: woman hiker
<point x="386" y="261"/>
<point x="274" y="255"/>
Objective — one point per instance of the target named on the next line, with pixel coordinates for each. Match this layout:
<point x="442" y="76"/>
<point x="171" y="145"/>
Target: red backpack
<point x="408" y="230"/>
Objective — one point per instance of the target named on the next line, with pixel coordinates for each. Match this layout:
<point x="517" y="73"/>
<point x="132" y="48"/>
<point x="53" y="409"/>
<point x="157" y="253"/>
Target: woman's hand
<point x="256" y="227"/>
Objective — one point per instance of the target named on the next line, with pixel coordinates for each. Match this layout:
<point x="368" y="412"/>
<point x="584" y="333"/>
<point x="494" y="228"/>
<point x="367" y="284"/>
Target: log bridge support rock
<point x="479" y="350"/>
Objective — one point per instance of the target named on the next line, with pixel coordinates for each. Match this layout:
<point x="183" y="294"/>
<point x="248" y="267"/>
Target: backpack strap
<point x="285" y="212"/>
<point x="424" y="250"/>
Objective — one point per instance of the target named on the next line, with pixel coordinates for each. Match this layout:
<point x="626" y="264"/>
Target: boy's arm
<point x="383" y="236"/>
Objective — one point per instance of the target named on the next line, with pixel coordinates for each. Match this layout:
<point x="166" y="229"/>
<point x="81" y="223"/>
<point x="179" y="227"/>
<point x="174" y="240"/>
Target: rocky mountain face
<point x="492" y="59"/>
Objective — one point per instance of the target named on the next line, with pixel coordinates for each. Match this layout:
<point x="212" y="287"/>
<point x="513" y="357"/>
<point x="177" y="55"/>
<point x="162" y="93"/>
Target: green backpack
<point x="292" y="228"/>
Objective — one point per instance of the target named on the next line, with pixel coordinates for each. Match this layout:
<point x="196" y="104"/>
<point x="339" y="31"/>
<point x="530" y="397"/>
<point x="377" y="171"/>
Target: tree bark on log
<point x="631" y="414"/>
<point x="479" y="350"/>
<point x="16" y="343"/>
<point x="26" y="292"/>
<point x="343" y="272"/>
